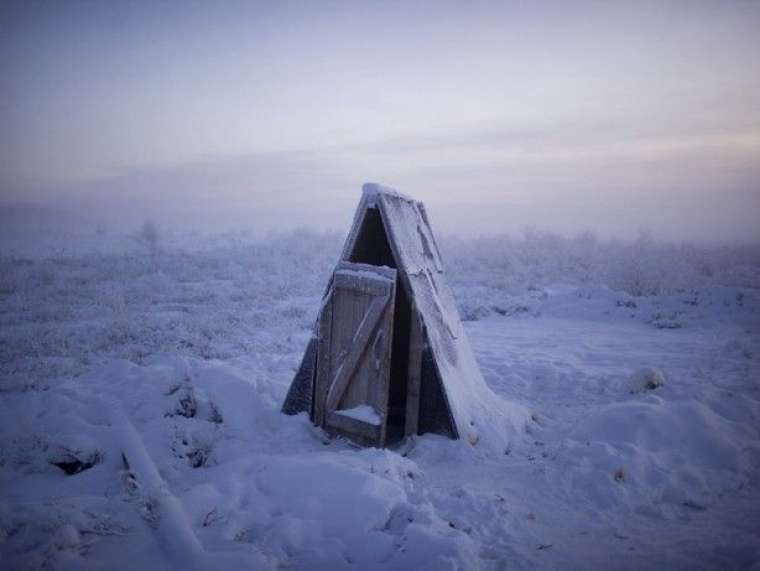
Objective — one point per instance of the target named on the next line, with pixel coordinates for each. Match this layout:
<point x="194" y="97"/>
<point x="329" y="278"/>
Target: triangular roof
<point x="476" y="413"/>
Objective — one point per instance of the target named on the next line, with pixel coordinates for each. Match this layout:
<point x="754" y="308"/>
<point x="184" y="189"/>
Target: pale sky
<point x="612" y="116"/>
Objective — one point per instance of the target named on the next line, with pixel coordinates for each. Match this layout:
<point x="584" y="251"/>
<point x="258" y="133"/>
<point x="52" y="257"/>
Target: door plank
<point x="358" y="345"/>
<point x="322" y="383"/>
<point x="354" y="348"/>
<point x="369" y="433"/>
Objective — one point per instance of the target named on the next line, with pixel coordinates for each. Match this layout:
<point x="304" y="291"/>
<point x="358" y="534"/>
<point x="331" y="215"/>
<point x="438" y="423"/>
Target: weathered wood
<point x="359" y="345"/>
<point x="353" y="362"/>
<point x="437" y="259"/>
<point x="416" y="342"/>
<point x="384" y="271"/>
<point x="381" y="355"/>
<point x="435" y="413"/>
<point x="301" y="392"/>
<point x="323" y="377"/>
<point x="353" y="427"/>
<point x="435" y="303"/>
<point x="358" y="283"/>
<point x="370" y="383"/>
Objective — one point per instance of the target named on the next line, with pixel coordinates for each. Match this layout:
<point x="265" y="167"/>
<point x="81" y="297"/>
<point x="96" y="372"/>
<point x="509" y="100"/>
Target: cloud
<point x="268" y="191"/>
<point x="681" y="181"/>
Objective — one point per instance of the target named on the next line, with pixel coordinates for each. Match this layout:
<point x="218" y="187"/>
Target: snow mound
<point x="258" y="488"/>
<point x="654" y="453"/>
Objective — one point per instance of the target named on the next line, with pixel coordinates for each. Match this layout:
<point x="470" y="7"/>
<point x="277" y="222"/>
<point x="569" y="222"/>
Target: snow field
<point x="643" y="448"/>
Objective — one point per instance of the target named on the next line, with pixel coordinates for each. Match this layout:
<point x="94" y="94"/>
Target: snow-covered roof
<point x="370" y="191"/>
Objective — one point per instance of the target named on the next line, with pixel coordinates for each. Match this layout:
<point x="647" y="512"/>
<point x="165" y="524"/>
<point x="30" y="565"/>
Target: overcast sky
<point x="612" y="116"/>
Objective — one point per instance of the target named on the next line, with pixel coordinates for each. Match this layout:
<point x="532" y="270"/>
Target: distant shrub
<point x="643" y="267"/>
<point x="148" y="236"/>
<point x="224" y="296"/>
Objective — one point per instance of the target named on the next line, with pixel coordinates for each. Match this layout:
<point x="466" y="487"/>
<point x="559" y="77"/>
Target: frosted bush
<point x="641" y="268"/>
<point x="228" y="295"/>
<point x="148" y="237"/>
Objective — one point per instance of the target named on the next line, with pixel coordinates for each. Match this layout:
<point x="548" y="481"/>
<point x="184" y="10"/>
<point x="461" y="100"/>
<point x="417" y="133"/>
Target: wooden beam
<point x="351" y="282"/>
<point x="416" y="341"/>
<point x="300" y="397"/>
<point x="383" y="271"/>
<point x="323" y="379"/>
<point x="353" y="427"/>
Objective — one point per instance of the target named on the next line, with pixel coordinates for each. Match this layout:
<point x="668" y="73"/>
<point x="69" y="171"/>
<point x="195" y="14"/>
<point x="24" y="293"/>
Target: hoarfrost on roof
<point x="372" y="189"/>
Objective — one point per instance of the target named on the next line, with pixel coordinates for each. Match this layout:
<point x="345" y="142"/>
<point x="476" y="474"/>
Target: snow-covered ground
<point x="640" y="364"/>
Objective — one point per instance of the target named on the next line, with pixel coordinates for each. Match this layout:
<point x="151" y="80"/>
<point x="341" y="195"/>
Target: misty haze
<point x="380" y="285"/>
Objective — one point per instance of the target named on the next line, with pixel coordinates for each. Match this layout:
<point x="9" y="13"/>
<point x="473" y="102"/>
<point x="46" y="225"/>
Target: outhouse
<point x="389" y="357"/>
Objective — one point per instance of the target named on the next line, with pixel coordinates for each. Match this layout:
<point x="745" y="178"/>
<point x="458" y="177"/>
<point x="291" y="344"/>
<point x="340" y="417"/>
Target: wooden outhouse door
<point x="354" y="353"/>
